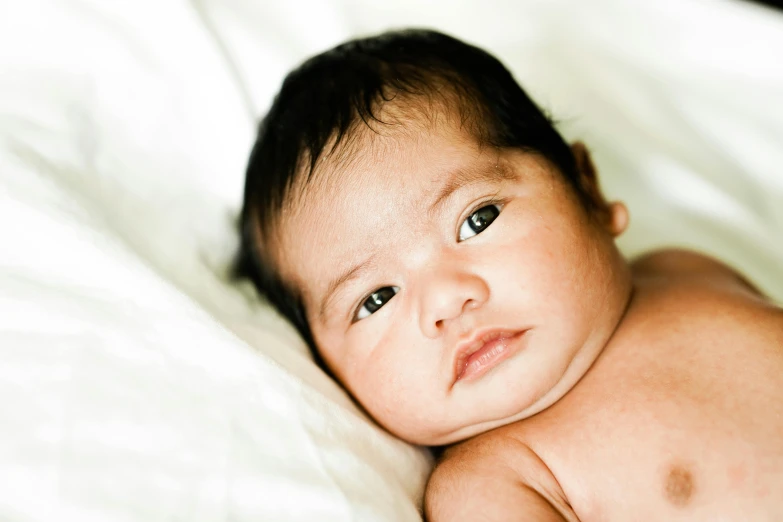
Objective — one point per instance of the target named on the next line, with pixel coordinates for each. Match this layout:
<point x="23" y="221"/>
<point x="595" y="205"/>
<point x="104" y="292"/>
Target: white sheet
<point x="136" y="384"/>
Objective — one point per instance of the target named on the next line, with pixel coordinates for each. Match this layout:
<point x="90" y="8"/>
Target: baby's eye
<point x="376" y="300"/>
<point x="478" y="221"/>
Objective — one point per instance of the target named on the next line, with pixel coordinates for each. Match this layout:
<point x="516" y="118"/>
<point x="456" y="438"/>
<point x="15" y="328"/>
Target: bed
<point x="139" y="383"/>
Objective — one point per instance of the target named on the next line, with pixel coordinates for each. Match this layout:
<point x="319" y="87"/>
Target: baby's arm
<point x="478" y="484"/>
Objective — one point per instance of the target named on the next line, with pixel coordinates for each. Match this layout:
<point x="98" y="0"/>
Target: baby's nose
<point x="447" y="295"/>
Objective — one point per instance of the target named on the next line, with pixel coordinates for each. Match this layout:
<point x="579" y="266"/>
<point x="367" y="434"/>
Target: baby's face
<point x="451" y="288"/>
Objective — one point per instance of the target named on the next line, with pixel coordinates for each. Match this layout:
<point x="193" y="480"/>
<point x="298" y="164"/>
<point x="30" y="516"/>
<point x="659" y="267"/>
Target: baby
<point x="452" y="262"/>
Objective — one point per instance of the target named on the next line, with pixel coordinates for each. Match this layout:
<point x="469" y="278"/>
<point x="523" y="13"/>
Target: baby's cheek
<point x="399" y="399"/>
<point x="531" y="271"/>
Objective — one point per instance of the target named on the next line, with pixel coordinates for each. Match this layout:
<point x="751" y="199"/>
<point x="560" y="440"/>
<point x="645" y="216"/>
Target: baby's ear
<point x="613" y="216"/>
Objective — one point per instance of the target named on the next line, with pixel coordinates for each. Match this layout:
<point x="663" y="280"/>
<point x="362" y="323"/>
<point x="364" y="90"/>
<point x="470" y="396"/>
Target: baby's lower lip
<point x="490" y="355"/>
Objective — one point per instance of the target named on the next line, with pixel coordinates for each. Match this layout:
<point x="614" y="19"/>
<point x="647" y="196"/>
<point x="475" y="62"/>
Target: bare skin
<point x="680" y="418"/>
<point x="467" y="295"/>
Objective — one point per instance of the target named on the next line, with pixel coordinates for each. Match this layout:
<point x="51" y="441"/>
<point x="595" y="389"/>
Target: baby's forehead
<point x="403" y="165"/>
<point x="372" y="154"/>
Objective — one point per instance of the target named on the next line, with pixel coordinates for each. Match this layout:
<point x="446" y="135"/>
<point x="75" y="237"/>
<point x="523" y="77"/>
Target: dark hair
<point x="322" y="101"/>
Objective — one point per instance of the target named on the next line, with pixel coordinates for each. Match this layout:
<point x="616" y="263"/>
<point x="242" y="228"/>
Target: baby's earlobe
<point x="618" y="218"/>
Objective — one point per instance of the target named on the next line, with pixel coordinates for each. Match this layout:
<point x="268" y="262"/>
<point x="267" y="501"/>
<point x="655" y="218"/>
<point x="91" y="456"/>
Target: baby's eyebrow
<point x="463" y="177"/>
<point x="349" y="274"/>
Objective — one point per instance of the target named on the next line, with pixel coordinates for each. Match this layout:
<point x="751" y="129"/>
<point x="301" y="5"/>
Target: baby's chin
<point x="463" y="429"/>
<point x="446" y="437"/>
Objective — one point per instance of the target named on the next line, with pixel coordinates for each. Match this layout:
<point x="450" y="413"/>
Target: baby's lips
<point x="480" y="344"/>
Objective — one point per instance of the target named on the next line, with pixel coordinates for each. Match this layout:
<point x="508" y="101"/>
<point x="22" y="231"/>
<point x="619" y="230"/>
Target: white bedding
<point x="137" y="384"/>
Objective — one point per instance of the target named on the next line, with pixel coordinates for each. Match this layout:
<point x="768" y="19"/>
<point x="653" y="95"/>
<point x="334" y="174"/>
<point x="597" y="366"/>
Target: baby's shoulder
<point x="683" y="299"/>
<point x="687" y="285"/>
<point x="498" y="461"/>
<point x="685" y="266"/>
<point x="502" y="445"/>
<point x="686" y="293"/>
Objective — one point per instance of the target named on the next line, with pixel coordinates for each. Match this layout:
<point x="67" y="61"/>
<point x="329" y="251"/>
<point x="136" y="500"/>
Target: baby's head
<point x="446" y="254"/>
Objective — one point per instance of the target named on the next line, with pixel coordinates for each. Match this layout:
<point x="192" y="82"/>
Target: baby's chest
<point x="682" y="436"/>
<point x="669" y="463"/>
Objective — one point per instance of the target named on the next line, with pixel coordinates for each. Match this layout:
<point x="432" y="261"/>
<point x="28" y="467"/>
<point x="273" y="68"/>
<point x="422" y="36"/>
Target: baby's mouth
<point x="483" y="351"/>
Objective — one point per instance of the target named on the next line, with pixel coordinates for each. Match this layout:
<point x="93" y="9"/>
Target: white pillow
<point x="137" y="383"/>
